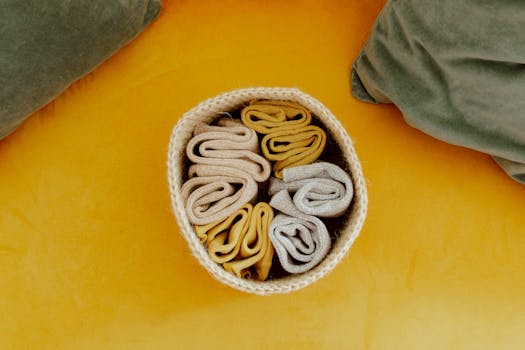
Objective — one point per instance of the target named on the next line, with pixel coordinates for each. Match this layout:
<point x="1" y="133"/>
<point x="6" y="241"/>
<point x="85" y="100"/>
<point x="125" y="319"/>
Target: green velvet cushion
<point x="47" y="45"/>
<point x="455" y="69"/>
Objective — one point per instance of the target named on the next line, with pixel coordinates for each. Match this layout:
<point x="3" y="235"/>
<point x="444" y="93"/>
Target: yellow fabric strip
<point x="224" y="240"/>
<point x="256" y="248"/>
<point x="241" y="241"/>
<point x="267" y="117"/>
<point x="293" y="147"/>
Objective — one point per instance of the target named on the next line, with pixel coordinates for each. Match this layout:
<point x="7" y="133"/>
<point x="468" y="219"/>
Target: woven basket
<point x="211" y="109"/>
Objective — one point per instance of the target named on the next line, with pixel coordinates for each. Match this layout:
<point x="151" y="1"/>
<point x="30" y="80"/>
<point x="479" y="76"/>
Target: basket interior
<point x="332" y="153"/>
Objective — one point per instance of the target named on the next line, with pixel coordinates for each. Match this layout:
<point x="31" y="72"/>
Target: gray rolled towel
<point x="322" y="189"/>
<point x="301" y="241"/>
<point x="229" y="143"/>
<point x="215" y="192"/>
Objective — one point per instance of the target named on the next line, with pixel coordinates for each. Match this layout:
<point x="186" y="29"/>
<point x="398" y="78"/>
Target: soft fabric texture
<point x="322" y="189"/>
<point x="92" y="257"/>
<point x="215" y="192"/>
<point x="514" y="169"/>
<point x="268" y="116"/>
<point x="229" y="142"/>
<point x="293" y="147"/>
<point x="301" y="241"/>
<point x="47" y="45"/>
<point x="456" y="70"/>
<point x="289" y="138"/>
<point x="345" y="230"/>
<point x="241" y="242"/>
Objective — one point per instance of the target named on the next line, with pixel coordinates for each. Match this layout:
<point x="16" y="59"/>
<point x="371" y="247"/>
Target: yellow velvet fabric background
<point x="91" y="257"/>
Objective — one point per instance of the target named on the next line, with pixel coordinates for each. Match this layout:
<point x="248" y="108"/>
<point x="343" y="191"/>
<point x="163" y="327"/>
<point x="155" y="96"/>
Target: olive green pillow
<point x="47" y="45"/>
<point x="455" y="69"/>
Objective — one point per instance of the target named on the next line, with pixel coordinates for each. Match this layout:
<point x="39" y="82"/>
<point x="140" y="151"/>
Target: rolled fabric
<point x="301" y="241"/>
<point x="322" y="189"/>
<point x="224" y="238"/>
<point x="229" y="143"/>
<point x="267" y="117"/>
<point x="241" y="242"/>
<point x="293" y="147"/>
<point x="215" y="192"/>
<point x="256" y="248"/>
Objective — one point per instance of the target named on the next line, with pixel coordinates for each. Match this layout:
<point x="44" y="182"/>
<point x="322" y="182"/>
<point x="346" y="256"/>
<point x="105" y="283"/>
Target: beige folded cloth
<point x="241" y="242"/>
<point x="293" y="147"/>
<point x="215" y="192"/>
<point x="229" y="143"/>
<point x="322" y="189"/>
<point x="267" y="116"/>
<point x="301" y="241"/>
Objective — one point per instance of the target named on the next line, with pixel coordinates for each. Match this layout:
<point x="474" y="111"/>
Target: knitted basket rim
<point x="212" y="108"/>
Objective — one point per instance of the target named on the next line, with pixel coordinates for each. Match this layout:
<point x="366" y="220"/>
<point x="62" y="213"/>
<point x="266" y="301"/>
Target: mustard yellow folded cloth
<point x="267" y="116"/>
<point x="293" y="147"/>
<point x="215" y="192"/>
<point x="241" y="242"/>
<point x="229" y="143"/>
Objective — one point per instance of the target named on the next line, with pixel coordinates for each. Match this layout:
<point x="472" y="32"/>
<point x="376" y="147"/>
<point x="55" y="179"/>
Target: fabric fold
<point x="241" y="241"/>
<point x="322" y="189"/>
<point x="516" y="170"/>
<point x="293" y="147"/>
<point x="229" y="143"/>
<point x="215" y="192"/>
<point x="45" y="46"/>
<point x="267" y="117"/>
<point x="301" y="241"/>
<point x="463" y="86"/>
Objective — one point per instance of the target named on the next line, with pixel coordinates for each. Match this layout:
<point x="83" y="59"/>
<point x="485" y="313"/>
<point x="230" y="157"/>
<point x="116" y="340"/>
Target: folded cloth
<point x="215" y="192"/>
<point x="47" y="45"/>
<point x="241" y="242"/>
<point x="301" y="241"/>
<point x="464" y="86"/>
<point x="293" y="147"/>
<point x="322" y="189"/>
<point x="230" y="143"/>
<point x="267" y="117"/>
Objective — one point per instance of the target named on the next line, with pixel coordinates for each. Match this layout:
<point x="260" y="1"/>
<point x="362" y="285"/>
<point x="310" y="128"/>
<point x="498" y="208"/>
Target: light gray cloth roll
<point x="322" y="189"/>
<point x="301" y="241"/>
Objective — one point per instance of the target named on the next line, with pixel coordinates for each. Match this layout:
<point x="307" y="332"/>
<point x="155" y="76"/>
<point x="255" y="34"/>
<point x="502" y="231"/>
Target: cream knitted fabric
<point x="321" y="189"/>
<point x="229" y="143"/>
<point x="211" y="195"/>
<point x="301" y="241"/>
<point x="209" y="111"/>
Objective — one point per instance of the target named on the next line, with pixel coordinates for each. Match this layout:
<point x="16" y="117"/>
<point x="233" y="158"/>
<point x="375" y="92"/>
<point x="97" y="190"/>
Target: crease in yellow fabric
<point x="293" y="147"/>
<point x="241" y="241"/>
<point x="267" y="117"/>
